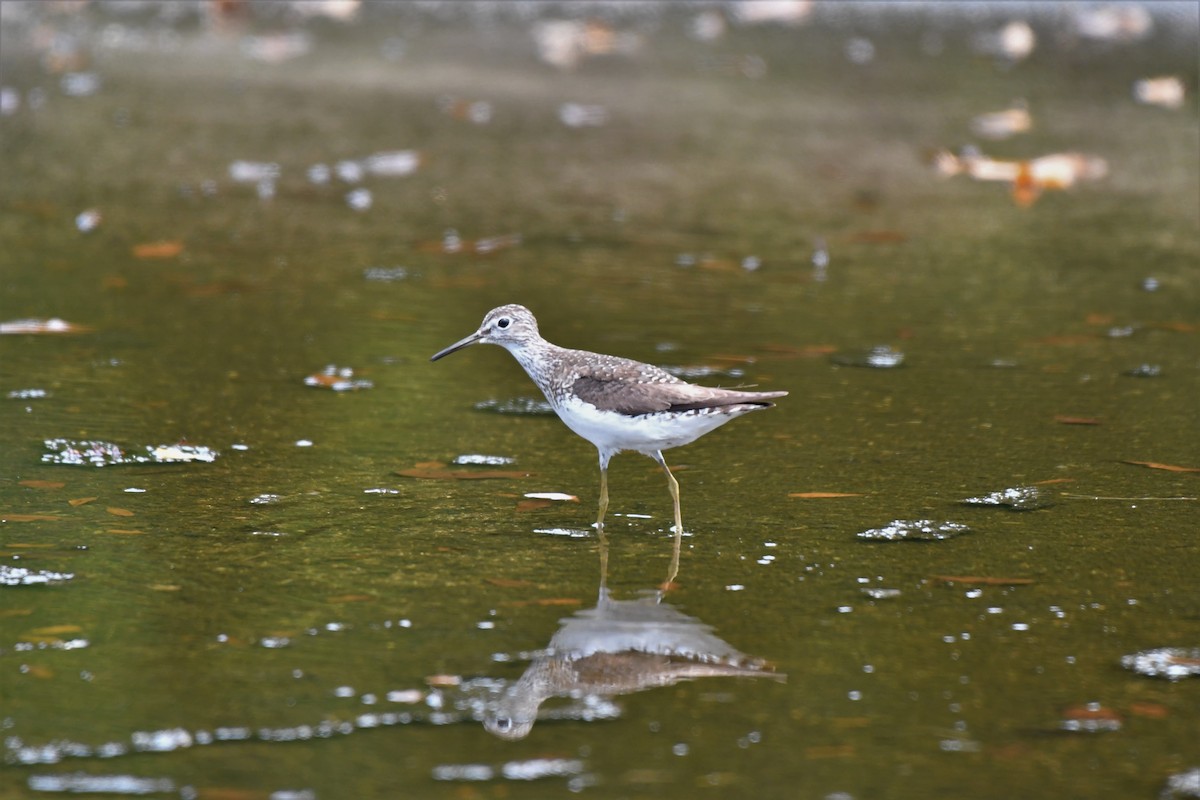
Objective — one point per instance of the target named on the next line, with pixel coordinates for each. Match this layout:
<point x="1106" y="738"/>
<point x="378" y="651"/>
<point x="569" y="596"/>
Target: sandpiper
<point x="615" y="403"/>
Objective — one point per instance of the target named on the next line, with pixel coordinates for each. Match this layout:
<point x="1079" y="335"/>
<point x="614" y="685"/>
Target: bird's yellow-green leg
<point x="603" y="497"/>
<point x="673" y="486"/>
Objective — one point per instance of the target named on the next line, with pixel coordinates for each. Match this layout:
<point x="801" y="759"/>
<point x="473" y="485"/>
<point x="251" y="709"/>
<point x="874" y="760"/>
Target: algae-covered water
<point x="280" y="589"/>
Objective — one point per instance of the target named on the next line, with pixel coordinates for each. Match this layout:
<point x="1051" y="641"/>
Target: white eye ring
<point x="503" y="323"/>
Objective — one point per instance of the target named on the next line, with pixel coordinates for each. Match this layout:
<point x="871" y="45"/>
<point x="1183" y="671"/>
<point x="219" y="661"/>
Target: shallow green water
<point x="196" y="612"/>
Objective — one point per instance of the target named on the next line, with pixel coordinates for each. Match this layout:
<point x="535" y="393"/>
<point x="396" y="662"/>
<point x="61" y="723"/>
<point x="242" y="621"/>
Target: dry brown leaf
<point x="1049" y="481"/>
<point x="532" y="505"/>
<point x="1069" y="420"/>
<point x="508" y="583"/>
<point x="822" y="495"/>
<point x="1149" y="710"/>
<point x="1066" y="339"/>
<point x="6" y="613"/>
<point x="119" y="512"/>
<point x="805" y="351"/>
<point x="459" y="475"/>
<point x="35" y="484"/>
<point x="1177" y="327"/>
<point x="350" y="598"/>
<point x="55" y="630"/>
<point x="164" y="249"/>
<point x="982" y="580"/>
<point x="81" y="501"/>
<point x="29" y="518"/>
<point x="1167" y="467"/>
<point x="546" y="601"/>
<point x="124" y="531"/>
<point x="880" y="237"/>
<point x="443" y="680"/>
<point x="830" y="751"/>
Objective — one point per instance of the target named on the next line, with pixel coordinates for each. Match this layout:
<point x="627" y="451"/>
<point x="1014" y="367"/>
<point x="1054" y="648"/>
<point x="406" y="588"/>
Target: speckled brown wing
<point x="632" y="388"/>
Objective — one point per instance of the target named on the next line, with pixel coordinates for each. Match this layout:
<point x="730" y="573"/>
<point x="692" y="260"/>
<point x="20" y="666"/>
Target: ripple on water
<point x="21" y="576"/>
<point x="520" y="406"/>
<point x="1016" y="498"/>
<point x="1172" y="663"/>
<point x="914" y="530"/>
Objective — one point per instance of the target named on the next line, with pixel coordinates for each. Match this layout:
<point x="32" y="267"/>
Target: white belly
<point x="612" y="432"/>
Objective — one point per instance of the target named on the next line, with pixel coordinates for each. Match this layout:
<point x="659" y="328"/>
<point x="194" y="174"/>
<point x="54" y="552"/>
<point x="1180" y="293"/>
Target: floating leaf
<point x="880" y="237"/>
<point x="7" y="613"/>
<point x="982" y="580"/>
<point x="1090" y="718"/>
<point x="35" y="484"/>
<point x="351" y="598"/>
<point x="163" y="249"/>
<point x="509" y="583"/>
<point x="459" y="475"/>
<point x="29" y="518"/>
<point x="81" y="501"/>
<point x="1148" y="710"/>
<point x="444" y="680"/>
<point x="805" y="351"/>
<point x="54" y="630"/>
<point x="37" y="671"/>
<point x="547" y="601"/>
<point x="1069" y="420"/>
<point x="823" y="495"/>
<point x="1168" y="467"/>
<point x="119" y="512"/>
<point x="533" y="505"/>
<point x="339" y="379"/>
<point x="124" y="531"/>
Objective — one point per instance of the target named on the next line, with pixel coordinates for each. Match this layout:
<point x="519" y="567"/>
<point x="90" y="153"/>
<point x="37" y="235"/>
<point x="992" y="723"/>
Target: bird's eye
<point x="503" y="724"/>
<point x="503" y="323"/>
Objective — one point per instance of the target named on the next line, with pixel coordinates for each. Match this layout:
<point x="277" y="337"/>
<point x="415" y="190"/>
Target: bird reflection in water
<point x="618" y="647"/>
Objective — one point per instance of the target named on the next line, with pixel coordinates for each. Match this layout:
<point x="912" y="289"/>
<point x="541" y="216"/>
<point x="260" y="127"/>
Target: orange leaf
<point x="124" y="531"/>
<point x="547" y="601"/>
<point x="351" y="599"/>
<point x="163" y="249"/>
<point x="821" y="752"/>
<point x="1069" y="420"/>
<point x="822" y="495"/>
<point x="34" y="484"/>
<point x="458" y="475"/>
<point x="443" y="680"/>
<point x="508" y="583"/>
<point x="28" y="518"/>
<point x="532" y="505"/>
<point x="1149" y="710"/>
<point x="879" y="237"/>
<point x="1168" y="467"/>
<point x="54" y="630"/>
<point x="119" y="512"/>
<point x="37" y="671"/>
<point x="982" y="580"/>
<point x="80" y="501"/>
<point x="1049" y="481"/>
